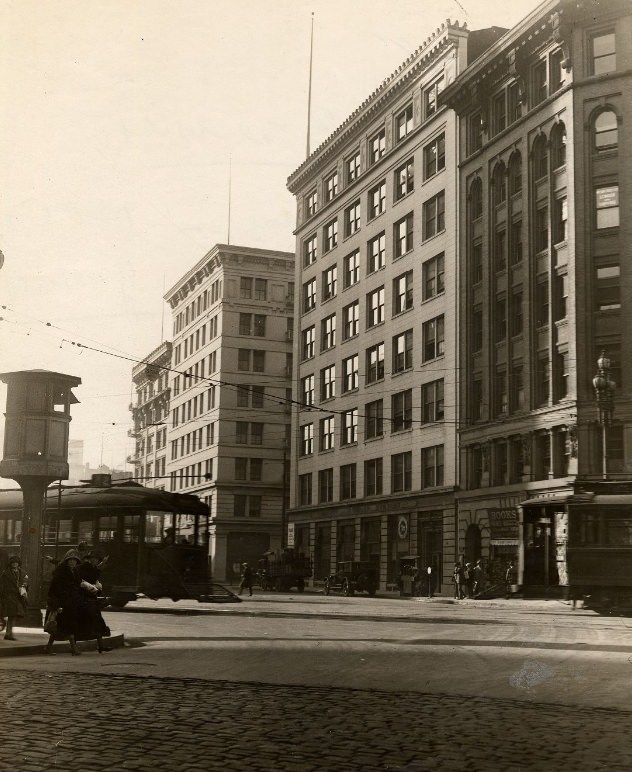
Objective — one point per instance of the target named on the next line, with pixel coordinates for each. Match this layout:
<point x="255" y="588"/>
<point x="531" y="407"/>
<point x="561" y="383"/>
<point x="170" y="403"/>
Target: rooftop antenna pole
<point x="230" y="179"/>
<point x="309" y="89"/>
<point x="162" y="314"/>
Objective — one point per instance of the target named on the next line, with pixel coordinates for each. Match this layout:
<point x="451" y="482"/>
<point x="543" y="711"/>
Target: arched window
<point x="476" y="199"/>
<point x="515" y="173"/>
<point x="540" y="160"/>
<point x="558" y="146"/>
<point x="499" y="186"/>
<point x="606" y="131"/>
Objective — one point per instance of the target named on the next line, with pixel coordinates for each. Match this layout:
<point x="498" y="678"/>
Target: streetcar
<point x="156" y="541"/>
<point x="582" y="542"/>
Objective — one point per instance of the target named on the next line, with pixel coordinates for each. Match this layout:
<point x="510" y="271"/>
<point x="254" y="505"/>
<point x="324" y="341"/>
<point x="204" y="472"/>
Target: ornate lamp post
<point x="604" y="393"/>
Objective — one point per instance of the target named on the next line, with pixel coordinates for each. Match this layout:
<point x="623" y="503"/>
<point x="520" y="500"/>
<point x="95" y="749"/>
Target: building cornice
<point x="390" y="89"/>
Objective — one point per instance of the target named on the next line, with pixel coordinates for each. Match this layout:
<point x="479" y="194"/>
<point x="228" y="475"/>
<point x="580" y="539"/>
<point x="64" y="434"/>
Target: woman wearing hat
<point x="65" y="595"/>
<point x="13" y="584"/>
<point x="90" y="573"/>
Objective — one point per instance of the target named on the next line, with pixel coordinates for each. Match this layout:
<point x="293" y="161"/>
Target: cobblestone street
<point x="104" y="722"/>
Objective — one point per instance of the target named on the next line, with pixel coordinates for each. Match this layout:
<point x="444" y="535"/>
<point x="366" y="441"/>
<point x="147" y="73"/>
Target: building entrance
<point x="540" y="564"/>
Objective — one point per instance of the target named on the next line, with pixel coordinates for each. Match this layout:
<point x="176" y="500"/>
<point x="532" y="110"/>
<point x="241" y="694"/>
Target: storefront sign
<point x="402" y="526"/>
<point x="503" y="523"/>
<point x="290" y="534"/>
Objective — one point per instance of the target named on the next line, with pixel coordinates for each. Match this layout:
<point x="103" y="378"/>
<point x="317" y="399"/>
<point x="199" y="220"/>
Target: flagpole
<point x="309" y="90"/>
<point x="230" y="179"/>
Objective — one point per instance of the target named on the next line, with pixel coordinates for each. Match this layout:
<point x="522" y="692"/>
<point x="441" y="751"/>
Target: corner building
<point x="374" y="430"/>
<point x="544" y="277"/>
<point x="230" y="393"/>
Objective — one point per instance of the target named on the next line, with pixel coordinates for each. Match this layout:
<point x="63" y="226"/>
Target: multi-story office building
<point x="545" y="275"/>
<point x="374" y="452"/>
<point x="150" y="414"/>
<point x="230" y="396"/>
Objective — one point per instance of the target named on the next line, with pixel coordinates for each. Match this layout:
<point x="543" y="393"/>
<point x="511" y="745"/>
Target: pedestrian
<point x="90" y="573"/>
<point x="13" y="598"/>
<point x="469" y="580"/>
<point x="75" y="610"/>
<point x="246" y="578"/>
<point x="479" y="577"/>
<point x="458" y="576"/>
<point x="511" y="578"/>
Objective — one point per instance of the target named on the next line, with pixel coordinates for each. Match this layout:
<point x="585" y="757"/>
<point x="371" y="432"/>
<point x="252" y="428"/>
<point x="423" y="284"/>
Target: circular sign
<point x="402" y="526"/>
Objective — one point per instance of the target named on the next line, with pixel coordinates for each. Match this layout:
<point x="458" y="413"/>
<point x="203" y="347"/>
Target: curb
<point x="34" y="643"/>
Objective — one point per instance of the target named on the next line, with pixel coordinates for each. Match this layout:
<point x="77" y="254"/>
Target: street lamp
<point x="604" y="393"/>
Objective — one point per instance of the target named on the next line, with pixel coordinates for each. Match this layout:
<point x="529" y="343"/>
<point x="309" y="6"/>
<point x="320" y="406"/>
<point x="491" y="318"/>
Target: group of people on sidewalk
<point x="74" y="602"/>
<point x="468" y="579"/>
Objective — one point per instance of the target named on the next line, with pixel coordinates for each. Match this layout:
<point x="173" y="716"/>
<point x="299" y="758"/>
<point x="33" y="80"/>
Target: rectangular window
<point x="432" y="401"/>
<point x="500" y="249"/>
<point x="305" y="489"/>
<point x="311" y="203"/>
<point x="403" y="235"/>
<point x="330" y="235"/>
<point x="329" y="282"/>
<point x="328" y="332"/>
<point x="542" y="228"/>
<point x="307" y="390"/>
<point x="516" y="242"/>
<point x="241" y="469"/>
<point x="347" y="482"/>
<point x="307" y="440"/>
<point x="560" y="220"/>
<point x="538" y="83"/>
<point x="403" y="292"/>
<point x="352" y="167"/>
<point x="309" y="295"/>
<point x="434" y="215"/>
<point x="258" y="394"/>
<point x="376" y="253"/>
<point x="258" y="361"/>
<point x="402" y="410"/>
<point x="433" y="338"/>
<point x="431" y="97"/>
<point x="325" y="486"/>
<point x="375" y="363"/>
<point x="349" y="428"/>
<point x="432" y="466"/>
<point x="499" y="113"/>
<point x="245" y="288"/>
<point x="327" y="433"/>
<point x="543" y="379"/>
<point x="256" y="434"/>
<point x="514" y="103"/>
<point x="308" y="339"/>
<point x="500" y="319"/>
<point x="261" y="289"/>
<point x="542" y="302"/>
<point x="243" y="359"/>
<point x="328" y="382"/>
<point x="377" y="200"/>
<point x="402" y="351"/>
<point x="310" y="250"/>
<point x="516" y="319"/>
<point x="245" y="324"/>
<point x="351" y="320"/>
<point x="377" y="146"/>
<point x="259" y="326"/>
<point x="373" y="477"/>
<point x="401" y="472"/>
<point x="351" y="264"/>
<point x="517" y="388"/>
<point x="375" y="307"/>
<point x="475" y="135"/>
<point x="608" y="295"/>
<point x="434" y="157"/>
<point x="404" y="182"/>
<point x="477" y="262"/>
<point x="607" y="207"/>
<point x="501" y="394"/>
<point x="350" y="375"/>
<point x="331" y="186"/>
<point x="604" y="56"/>
<point x="560" y="301"/>
<point x="433" y="275"/>
<point x="374" y="420"/>
<point x="352" y="219"/>
<point x="403" y="123"/>
<point x="241" y="433"/>
<point x="556" y="71"/>
<point x="243" y="396"/>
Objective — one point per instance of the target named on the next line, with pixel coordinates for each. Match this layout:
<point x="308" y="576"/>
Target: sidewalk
<point x="33" y="641"/>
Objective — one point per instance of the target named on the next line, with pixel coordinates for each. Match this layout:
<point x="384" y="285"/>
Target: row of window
<point x="203" y="437"/>
<point x="197" y="306"/>
<point x="433" y="332"/>
<point x="192" y="475"/>
<point x="433" y="282"/>
<point x="401" y="477"/>
<point x="193" y="407"/>
<point x="433" y="222"/>
<point x="430" y="410"/>
<point x="376" y="149"/>
<point x="150" y="390"/>
<point x="194" y="374"/>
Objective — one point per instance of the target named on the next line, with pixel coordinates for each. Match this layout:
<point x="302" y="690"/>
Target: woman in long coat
<point x="13" y="582"/>
<point x="74" y="617"/>
<point x="90" y="573"/>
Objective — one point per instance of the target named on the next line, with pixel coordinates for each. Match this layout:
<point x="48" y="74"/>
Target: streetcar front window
<point x="107" y="527"/>
<point x="131" y="525"/>
<point x="619" y="532"/>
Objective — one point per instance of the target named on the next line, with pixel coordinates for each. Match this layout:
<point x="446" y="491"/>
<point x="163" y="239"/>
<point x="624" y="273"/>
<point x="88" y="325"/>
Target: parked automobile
<point x="353" y="576"/>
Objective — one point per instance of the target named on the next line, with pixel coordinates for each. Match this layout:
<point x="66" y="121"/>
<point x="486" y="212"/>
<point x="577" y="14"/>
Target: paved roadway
<point x="330" y="684"/>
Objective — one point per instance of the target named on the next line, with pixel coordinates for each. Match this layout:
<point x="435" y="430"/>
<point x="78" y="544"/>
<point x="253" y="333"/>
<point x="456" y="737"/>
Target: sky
<point x="121" y="121"/>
